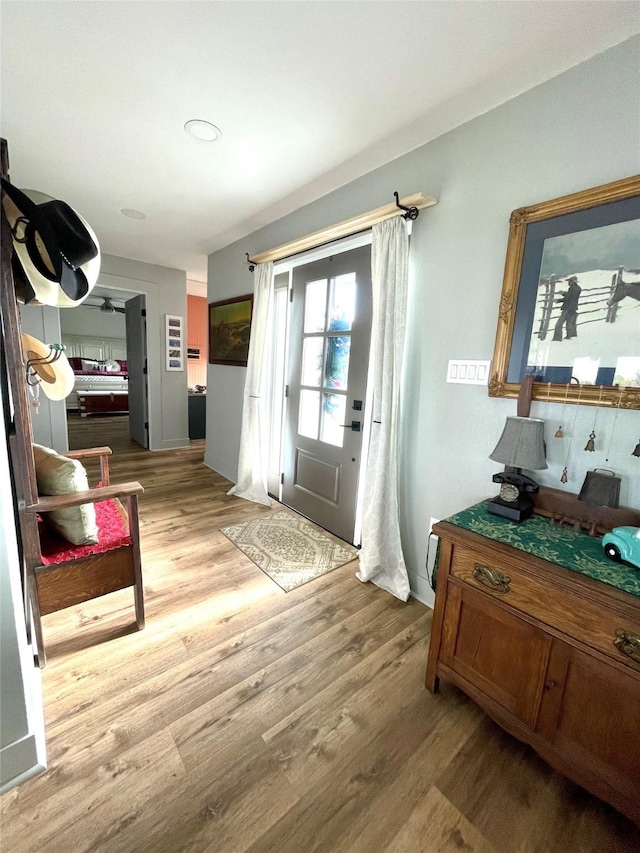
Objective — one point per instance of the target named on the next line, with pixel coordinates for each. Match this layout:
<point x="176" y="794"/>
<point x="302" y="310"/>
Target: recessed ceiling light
<point x="202" y="130"/>
<point x="132" y="213"/>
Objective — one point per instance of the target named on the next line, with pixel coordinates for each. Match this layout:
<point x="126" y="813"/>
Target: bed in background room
<point x="100" y="386"/>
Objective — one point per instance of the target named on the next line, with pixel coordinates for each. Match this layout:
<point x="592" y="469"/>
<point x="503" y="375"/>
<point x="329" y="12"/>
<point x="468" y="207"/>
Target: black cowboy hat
<point x="55" y="246"/>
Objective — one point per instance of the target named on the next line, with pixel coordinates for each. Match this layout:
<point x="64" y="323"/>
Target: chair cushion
<point x="112" y="533"/>
<point x="57" y="475"/>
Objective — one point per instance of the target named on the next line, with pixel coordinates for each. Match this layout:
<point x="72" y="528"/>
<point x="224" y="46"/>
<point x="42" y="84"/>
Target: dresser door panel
<point x="496" y="651"/>
<point x="590" y="713"/>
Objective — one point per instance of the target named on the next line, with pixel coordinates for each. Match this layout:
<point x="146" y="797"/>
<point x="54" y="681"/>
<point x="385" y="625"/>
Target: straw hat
<point x="56" y="378"/>
<point x="55" y="246"/>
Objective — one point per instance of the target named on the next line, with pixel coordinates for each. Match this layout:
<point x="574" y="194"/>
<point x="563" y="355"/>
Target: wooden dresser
<point x="552" y="653"/>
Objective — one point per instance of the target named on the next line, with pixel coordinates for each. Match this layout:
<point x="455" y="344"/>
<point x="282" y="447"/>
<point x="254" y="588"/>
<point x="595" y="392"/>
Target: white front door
<point x="329" y="335"/>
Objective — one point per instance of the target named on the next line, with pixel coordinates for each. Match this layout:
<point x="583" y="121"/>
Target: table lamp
<point x="521" y="445"/>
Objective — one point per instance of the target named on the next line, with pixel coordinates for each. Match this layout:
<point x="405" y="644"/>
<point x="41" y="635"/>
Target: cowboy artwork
<point x="587" y="311"/>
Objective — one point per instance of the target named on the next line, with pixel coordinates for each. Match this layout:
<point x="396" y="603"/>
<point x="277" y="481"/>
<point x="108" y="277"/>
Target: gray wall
<point x="50" y="421"/>
<point x="576" y="131"/>
<point x="166" y="293"/>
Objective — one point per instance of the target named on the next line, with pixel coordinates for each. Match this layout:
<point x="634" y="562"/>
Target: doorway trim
<point x="119" y="293"/>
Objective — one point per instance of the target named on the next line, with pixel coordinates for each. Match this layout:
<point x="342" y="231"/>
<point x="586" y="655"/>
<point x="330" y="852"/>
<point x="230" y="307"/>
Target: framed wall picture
<point x="569" y="314"/>
<point x="174" y="342"/>
<point x="229" y="330"/>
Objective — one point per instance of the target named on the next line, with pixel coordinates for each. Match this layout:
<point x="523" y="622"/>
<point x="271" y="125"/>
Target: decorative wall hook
<point x="33" y="377"/>
<point x="411" y="212"/>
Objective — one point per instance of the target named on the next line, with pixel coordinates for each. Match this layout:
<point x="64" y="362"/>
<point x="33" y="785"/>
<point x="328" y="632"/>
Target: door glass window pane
<point x="337" y="367"/>
<point x="312" y="361"/>
<point x="333" y="413"/>
<point x="315" y="305"/>
<point x="343" y="303"/>
<point x="308" y="413"/>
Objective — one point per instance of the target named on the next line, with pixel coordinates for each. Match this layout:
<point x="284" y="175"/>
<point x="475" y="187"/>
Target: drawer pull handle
<point x="628" y="644"/>
<point x="495" y="581"/>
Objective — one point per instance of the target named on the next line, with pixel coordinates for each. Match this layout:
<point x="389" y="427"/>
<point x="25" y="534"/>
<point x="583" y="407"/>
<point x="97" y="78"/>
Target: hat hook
<point x="24" y="221"/>
<point x="55" y="351"/>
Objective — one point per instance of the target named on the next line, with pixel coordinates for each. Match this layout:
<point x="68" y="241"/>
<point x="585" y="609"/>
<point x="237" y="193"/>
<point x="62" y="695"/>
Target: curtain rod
<point x="347" y="228"/>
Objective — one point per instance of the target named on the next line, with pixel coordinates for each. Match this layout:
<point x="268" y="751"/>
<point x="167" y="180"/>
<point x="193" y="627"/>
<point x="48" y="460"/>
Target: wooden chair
<point x="60" y="575"/>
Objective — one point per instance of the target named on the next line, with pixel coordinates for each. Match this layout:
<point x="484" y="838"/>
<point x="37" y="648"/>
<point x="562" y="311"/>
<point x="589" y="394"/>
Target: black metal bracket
<point x="411" y="212"/>
<point x="252" y="264"/>
<point x="55" y="351"/>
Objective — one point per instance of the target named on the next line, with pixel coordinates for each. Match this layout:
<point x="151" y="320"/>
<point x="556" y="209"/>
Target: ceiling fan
<point x="108" y="307"/>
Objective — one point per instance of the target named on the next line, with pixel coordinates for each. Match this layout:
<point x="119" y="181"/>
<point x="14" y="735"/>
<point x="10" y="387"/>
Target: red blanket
<point x="112" y="533"/>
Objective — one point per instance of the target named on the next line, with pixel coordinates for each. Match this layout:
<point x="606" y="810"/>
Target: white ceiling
<point x="308" y="95"/>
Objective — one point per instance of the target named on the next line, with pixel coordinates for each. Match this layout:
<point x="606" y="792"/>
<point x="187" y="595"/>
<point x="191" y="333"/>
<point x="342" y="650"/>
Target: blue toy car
<point x="623" y="543"/>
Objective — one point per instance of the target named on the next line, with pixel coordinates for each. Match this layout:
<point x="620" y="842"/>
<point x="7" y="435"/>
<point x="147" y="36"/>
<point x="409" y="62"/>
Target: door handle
<point x="354" y="426"/>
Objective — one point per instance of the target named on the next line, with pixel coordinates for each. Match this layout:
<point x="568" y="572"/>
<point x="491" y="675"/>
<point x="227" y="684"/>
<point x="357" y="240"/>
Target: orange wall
<point x="197" y="336"/>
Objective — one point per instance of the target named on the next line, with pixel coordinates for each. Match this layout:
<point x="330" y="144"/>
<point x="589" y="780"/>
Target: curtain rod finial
<point x="411" y="212"/>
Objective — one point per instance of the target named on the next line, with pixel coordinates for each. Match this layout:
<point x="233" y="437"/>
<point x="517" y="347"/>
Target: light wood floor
<point x="246" y="718"/>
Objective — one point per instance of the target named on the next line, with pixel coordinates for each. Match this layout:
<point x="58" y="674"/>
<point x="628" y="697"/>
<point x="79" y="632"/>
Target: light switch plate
<point x="468" y="372"/>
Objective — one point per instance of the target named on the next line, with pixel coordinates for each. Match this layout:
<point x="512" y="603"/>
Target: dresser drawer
<point x="595" y="623"/>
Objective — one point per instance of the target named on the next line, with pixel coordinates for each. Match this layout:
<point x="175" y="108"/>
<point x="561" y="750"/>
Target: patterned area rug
<point x="288" y="548"/>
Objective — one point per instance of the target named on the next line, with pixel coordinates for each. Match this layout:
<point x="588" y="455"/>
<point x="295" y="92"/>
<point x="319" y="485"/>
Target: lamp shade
<point x="521" y="444"/>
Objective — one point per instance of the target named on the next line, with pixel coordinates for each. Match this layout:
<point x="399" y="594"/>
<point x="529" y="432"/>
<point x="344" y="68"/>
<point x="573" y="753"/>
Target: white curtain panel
<point x="254" y="437"/>
<point x="381" y="558"/>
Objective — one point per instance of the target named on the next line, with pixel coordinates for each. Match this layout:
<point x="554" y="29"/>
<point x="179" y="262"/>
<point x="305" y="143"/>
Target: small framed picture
<point x="173" y="342"/>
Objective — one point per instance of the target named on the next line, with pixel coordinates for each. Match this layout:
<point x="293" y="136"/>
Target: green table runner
<point x="575" y="551"/>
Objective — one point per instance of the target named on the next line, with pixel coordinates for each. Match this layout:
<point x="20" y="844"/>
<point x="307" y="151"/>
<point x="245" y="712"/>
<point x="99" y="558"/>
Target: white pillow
<point x="58" y="475"/>
<point x="91" y="364"/>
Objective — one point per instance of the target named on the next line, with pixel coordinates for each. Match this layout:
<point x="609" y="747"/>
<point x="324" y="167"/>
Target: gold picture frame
<point x="576" y="222"/>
